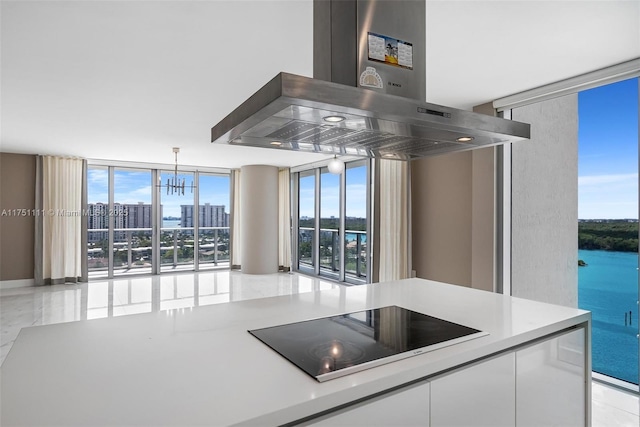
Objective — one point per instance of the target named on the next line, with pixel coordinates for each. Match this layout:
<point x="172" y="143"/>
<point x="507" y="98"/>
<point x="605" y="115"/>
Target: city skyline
<point x="133" y="186"/>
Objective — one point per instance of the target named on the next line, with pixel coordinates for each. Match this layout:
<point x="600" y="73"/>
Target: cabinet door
<point x="551" y="382"/>
<point x="479" y="395"/>
<point x="407" y="406"/>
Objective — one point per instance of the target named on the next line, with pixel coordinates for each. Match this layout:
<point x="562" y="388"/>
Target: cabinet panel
<point x="551" y="382"/>
<point x="405" y="407"/>
<point x="478" y="395"/>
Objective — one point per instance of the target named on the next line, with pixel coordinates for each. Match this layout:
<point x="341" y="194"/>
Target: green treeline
<point x="608" y="235"/>
<point x="352" y="224"/>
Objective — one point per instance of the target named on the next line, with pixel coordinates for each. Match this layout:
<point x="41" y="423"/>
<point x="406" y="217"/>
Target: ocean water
<point x="170" y="223"/>
<point x="608" y="287"/>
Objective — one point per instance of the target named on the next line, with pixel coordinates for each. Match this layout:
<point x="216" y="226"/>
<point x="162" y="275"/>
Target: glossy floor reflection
<point x="22" y="307"/>
<point x="613" y="407"/>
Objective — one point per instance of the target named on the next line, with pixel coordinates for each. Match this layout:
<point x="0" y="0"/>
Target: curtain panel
<point x="284" y="220"/>
<point x="61" y="227"/>
<point x="394" y="263"/>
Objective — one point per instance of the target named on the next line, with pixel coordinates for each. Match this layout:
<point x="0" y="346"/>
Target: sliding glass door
<point x="332" y="222"/>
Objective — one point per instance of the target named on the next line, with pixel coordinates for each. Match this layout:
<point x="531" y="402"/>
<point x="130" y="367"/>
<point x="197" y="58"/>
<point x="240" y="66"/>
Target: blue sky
<point x="608" y="151"/>
<point x="356" y="197"/>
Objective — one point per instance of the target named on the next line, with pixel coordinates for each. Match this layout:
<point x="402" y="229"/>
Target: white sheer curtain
<point x="284" y="220"/>
<point x="61" y="226"/>
<point x="236" y="262"/>
<point x="394" y="220"/>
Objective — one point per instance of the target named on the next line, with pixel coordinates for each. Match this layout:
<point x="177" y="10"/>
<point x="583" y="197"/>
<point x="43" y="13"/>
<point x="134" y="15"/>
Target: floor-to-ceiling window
<point x="213" y="219"/>
<point x="608" y="225"/>
<point x="329" y="223"/>
<point x="132" y="221"/>
<point x="178" y="213"/>
<point x="119" y="221"/>
<point x="192" y="223"/>
<point x="306" y="221"/>
<point x="355" y="240"/>
<point x="332" y="222"/>
<point x="98" y="225"/>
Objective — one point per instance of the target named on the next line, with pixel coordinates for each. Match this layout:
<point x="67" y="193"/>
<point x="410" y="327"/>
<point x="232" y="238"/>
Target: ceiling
<point x="129" y="80"/>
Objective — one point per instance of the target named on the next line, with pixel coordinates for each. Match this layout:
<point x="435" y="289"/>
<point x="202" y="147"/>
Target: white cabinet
<point x="408" y="406"/>
<point x="543" y="384"/>
<point x="479" y="395"/>
<point x="551" y="382"/>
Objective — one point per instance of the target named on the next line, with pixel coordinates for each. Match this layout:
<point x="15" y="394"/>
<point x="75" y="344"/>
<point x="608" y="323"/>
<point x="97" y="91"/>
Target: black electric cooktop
<point x="331" y="347"/>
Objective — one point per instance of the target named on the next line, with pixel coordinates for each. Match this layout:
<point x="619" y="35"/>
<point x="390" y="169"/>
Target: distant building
<point x="124" y="216"/>
<point x="208" y="216"/>
<point x="139" y="215"/>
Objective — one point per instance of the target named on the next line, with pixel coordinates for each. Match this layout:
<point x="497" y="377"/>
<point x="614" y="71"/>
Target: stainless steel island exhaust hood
<point x="366" y="99"/>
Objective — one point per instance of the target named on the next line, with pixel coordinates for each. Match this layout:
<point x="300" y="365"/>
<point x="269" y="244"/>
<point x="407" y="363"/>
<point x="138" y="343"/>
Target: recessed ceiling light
<point x="389" y="155"/>
<point x="333" y="119"/>
<point x="464" y="139"/>
<point x="276" y="143"/>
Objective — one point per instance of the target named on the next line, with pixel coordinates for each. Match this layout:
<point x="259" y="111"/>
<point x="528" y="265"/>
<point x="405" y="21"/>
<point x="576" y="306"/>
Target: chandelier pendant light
<point x="174" y="185"/>
<point x="335" y="166"/>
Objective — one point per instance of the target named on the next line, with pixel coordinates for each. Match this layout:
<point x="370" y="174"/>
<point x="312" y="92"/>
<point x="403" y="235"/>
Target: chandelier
<point x="174" y="185"/>
<point x="335" y="165"/>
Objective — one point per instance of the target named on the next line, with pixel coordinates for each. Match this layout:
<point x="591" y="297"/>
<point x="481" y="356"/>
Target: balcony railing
<point x="98" y="250"/>
<point x="132" y="248"/>
<point x="177" y="246"/>
<point x="306" y="239"/>
<point x="355" y="251"/>
<point x="214" y="245"/>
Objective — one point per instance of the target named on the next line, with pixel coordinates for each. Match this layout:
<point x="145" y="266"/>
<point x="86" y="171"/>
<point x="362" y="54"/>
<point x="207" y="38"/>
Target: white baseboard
<point x="21" y="283"/>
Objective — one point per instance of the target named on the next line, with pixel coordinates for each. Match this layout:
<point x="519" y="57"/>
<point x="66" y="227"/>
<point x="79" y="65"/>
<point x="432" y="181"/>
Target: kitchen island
<point x="200" y="366"/>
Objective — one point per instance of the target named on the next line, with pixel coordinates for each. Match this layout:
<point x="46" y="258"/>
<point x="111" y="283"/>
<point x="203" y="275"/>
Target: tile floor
<point x="22" y="307"/>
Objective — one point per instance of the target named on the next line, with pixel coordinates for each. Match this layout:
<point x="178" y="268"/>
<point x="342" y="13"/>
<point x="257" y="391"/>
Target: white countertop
<point x="200" y="366"/>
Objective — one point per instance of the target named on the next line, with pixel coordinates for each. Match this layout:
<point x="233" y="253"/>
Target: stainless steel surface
<point x="361" y="43"/>
<point x="372" y="364"/>
<point x="290" y="110"/>
<point x="403" y="20"/>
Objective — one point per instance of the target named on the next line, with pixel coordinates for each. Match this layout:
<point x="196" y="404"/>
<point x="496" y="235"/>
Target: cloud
<point x="611" y="196"/>
<point x="597" y="180"/>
